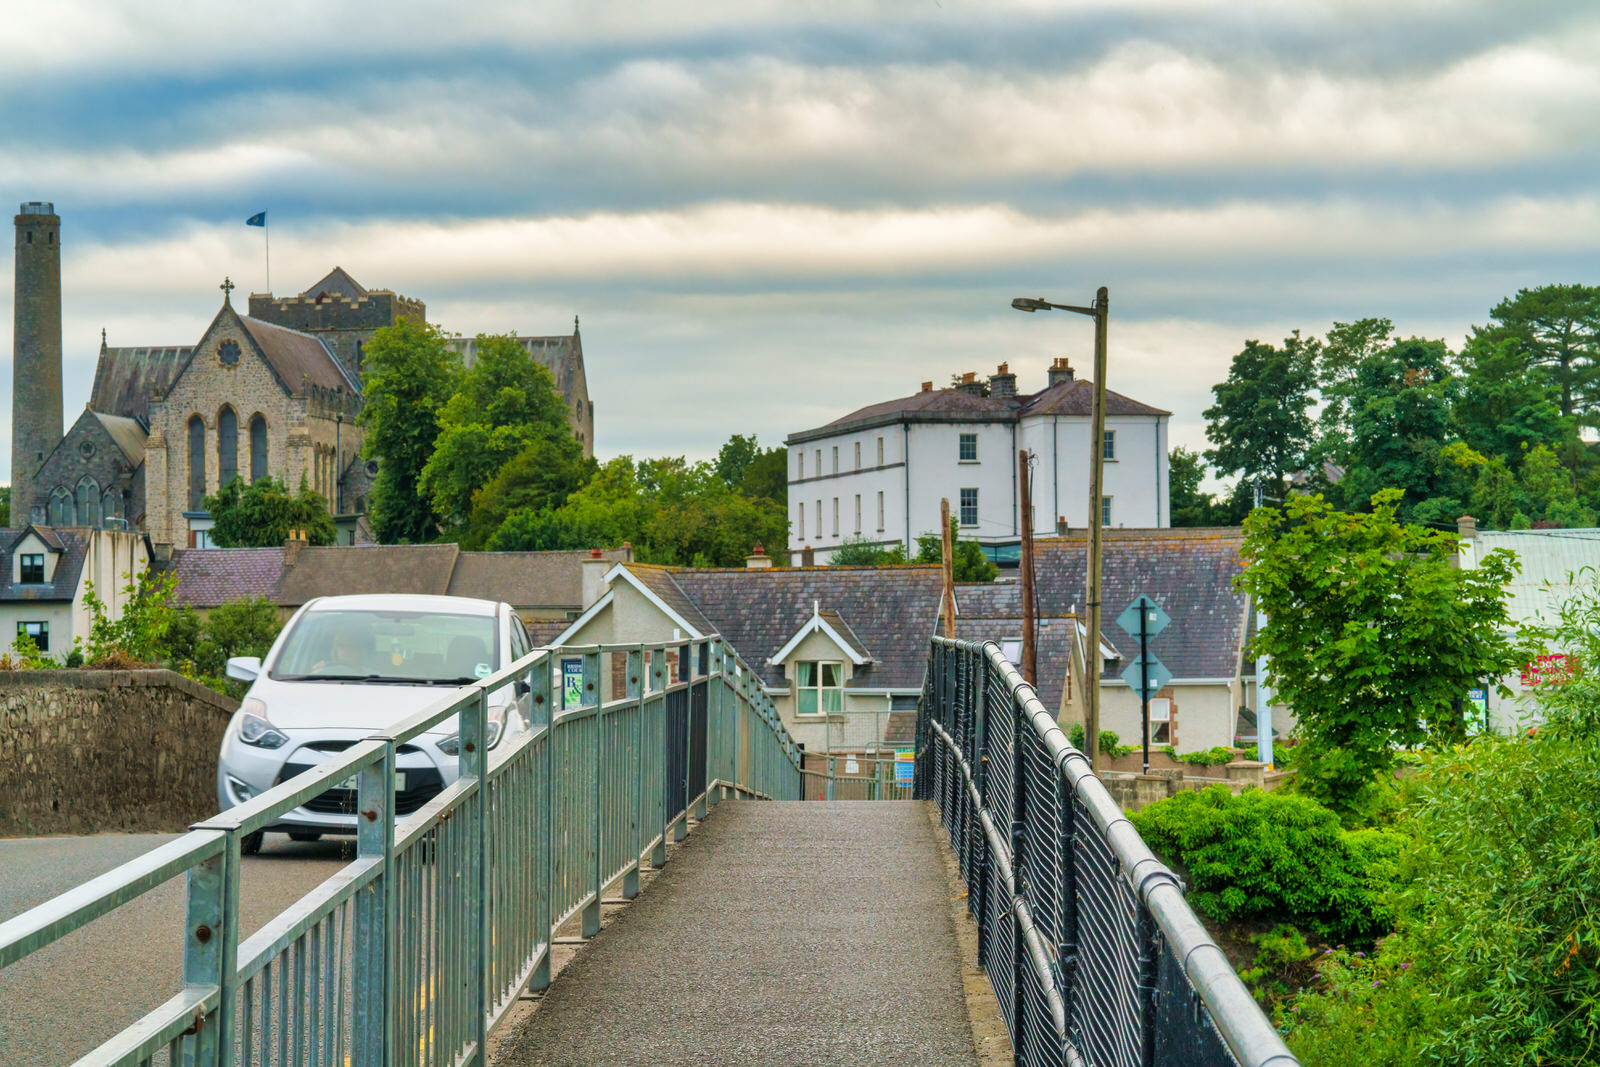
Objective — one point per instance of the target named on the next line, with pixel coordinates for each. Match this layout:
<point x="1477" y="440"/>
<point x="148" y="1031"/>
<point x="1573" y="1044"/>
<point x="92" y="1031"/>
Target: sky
<point x="768" y="214"/>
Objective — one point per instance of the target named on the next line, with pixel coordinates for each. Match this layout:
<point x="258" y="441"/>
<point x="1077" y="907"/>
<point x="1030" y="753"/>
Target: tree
<point x="1347" y="346"/>
<point x="537" y="479"/>
<point x="244" y="626"/>
<point x="859" y="552"/>
<point x="5" y="505"/>
<point x="1260" y="423"/>
<point x="1558" y="327"/>
<point x="262" y="514"/>
<point x="968" y="560"/>
<point x="1186" y="469"/>
<point x="1504" y="405"/>
<point x="502" y="404"/>
<point x="409" y="374"/>
<point x="1549" y="493"/>
<point x="1497" y="498"/>
<point x="1374" y="634"/>
<point x="1399" y="419"/>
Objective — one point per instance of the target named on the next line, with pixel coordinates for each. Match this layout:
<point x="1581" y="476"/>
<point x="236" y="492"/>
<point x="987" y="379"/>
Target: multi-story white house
<point x="878" y="474"/>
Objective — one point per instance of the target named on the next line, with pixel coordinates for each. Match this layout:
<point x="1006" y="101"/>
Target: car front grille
<point x="422" y="785"/>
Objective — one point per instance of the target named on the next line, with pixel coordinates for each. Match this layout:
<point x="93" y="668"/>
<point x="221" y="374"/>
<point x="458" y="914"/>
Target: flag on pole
<point x="258" y="219"/>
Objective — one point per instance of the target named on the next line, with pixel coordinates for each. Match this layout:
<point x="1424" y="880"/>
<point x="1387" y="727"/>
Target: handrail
<point x="1099" y="931"/>
<point x="413" y="951"/>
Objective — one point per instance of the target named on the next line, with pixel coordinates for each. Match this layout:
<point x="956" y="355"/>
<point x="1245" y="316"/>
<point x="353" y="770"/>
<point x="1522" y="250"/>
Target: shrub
<point x="1110" y="743"/>
<point x="1275" y="856"/>
<point x="1204" y="758"/>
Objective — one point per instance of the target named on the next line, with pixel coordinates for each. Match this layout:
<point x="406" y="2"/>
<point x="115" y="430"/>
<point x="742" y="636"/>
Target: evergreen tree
<point x="1558" y="328"/>
<point x="1260" y="423"/>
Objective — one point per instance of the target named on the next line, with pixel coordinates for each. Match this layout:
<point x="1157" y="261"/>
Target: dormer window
<point x="31" y="565"/>
<point x="820" y="686"/>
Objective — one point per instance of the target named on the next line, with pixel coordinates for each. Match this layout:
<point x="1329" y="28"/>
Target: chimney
<point x="927" y="387"/>
<point x="757" y="560"/>
<point x="594" y="574"/>
<point x="808" y="557"/>
<point x="627" y="551"/>
<point x="969" y="384"/>
<point x="1060" y="370"/>
<point x="1002" y="382"/>
<point x="1062" y="529"/>
<point x="1467" y="527"/>
<point x="292" y="546"/>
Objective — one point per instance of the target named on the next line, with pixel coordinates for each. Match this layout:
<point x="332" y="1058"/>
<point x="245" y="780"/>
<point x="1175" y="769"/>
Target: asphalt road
<point x="63" y="1001"/>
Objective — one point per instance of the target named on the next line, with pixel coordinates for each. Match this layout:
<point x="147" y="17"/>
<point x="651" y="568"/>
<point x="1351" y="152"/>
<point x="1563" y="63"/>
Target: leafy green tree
<point x="261" y="514"/>
<point x="137" y="636"/>
<point x="859" y="552"/>
<point x="244" y="626"/>
<point x="1504" y="405"/>
<point x="1558" y="328"/>
<point x="5" y="505"/>
<point x="1497" y="500"/>
<point x="735" y="457"/>
<point x="1186" y="469"/>
<point x="537" y="479"/>
<point x="1550" y="493"/>
<point x="408" y="375"/>
<point x="759" y="473"/>
<point x="1374" y="634"/>
<point x="1399" y="420"/>
<point x="1347" y="346"/>
<point x="1260" y="423"/>
<point x="968" y="562"/>
<point x="502" y="404"/>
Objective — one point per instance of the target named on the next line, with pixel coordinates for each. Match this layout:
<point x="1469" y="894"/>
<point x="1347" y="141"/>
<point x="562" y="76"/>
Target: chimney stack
<point x="1002" y="382"/>
<point x="969" y="384"/>
<point x="808" y="557"/>
<point x="1467" y="527"/>
<point x="757" y="560"/>
<point x="927" y="387"/>
<point x="1060" y="371"/>
<point x="593" y="572"/>
<point x="1062" y="529"/>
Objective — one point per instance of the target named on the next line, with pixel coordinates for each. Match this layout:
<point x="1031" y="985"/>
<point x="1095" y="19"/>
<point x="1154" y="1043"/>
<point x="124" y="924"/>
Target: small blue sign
<point x="905" y="767"/>
<point x="571" y="683"/>
<point x="1155" y="620"/>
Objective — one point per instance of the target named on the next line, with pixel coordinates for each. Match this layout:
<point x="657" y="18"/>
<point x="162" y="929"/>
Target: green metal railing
<point x="412" y="952"/>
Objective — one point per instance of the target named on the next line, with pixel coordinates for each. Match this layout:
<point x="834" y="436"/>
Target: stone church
<point x="272" y="392"/>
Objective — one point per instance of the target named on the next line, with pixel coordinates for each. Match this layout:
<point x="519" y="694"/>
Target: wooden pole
<point x="947" y="603"/>
<point x="1097" y="452"/>
<point x="1029" y="664"/>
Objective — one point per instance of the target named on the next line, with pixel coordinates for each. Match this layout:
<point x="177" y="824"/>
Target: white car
<point x="347" y="666"/>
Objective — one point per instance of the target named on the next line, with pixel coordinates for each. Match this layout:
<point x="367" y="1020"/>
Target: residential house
<point x="879" y="473"/>
<point x="49" y="574"/>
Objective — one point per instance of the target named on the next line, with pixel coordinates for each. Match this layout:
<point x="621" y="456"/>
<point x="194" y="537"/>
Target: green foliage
<point x="968" y="561"/>
<point x="25" y="656"/>
<point x="1209" y="757"/>
<point x="1399" y="417"/>
<point x="5" y="506"/>
<point x="261" y="514"/>
<point x="1260" y="423"/>
<point x="767" y="477"/>
<point x="859" y="552"/>
<point x="1374" y="634"/>
<point x="408" y="375"/>
<point x="1186" y="469"/>
<point x="1281" y="966"/>
<point x="1276" y="856"/>
<point x="138" y="634"/>
<point x="244" y="626"/>
<point x="537" y="479"/>
<point x="1558" y="327"/>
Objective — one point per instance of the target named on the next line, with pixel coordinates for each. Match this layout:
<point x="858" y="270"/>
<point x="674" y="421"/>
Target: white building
<point x="45" y="584"/>
<point x="878" y="474"/>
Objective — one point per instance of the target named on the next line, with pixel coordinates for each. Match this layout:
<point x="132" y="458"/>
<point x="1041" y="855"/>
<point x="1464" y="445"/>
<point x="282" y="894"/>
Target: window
<point x="969" y="448"/>
<point x="1105" y="511"/>
<point x="969" y="507"/>
<point x="32" y="567"/>
<point x="858" y="514"/>
<point x="1161" y="720"/>
<point x="39" y="631"/>
<point x="111" y="505"/>
<point x="880" y="511"/>
<point x="802" y="532"/>
<point x="836" y="516"/>
<point x="819" y="686"/>
<point x="800" y="465"/>
<point x="1108" y="449"/>
<point x="258" y="448"/>
<point x="227" y="446"/>
<point x="836" y="459"/>
<point x="819" y="468"/>
<point x="197" y="463"/>
<point x="858" y="455"/>
<point x="880" y="451"/>
<point x="88" y="502"/>
<point x="819" y="518"/>
<point x="62" y="512"/>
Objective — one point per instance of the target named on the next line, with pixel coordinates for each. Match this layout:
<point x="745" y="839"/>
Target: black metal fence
<point x="1093" y="952"/>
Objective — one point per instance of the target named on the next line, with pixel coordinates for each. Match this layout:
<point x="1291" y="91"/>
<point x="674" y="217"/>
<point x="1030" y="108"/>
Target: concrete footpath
<point x="781" y="933"/>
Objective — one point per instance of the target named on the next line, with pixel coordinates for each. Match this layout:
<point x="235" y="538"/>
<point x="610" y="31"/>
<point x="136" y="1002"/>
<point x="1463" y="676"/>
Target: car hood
<point x="351" y="706"/>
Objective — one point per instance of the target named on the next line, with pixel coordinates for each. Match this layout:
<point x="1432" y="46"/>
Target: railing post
<point x="635" y="693"/>
<point x="591" y="695"/>
<point x="376" y="925"/>
<point x="658" y="677"/>
<point x="980" y="845"/>
<point x="210" y="924"/>
<point x="474" y="763"/>
<point x="1019" y="851"/>
<point x="703" y="805"/>
<point x="713" y="720"/>
<point x="541" y="713"/>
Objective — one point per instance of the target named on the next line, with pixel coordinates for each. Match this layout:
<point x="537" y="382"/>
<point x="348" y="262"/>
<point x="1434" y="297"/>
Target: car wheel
<point x="252" y="843"/>
<point x="304" y="835"/>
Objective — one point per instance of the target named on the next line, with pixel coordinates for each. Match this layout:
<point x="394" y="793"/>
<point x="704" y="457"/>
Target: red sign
<point x="1551" y="669"/>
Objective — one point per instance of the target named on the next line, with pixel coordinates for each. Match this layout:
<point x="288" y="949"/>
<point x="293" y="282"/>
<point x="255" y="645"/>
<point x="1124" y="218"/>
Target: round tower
<point x="35" y="353"/>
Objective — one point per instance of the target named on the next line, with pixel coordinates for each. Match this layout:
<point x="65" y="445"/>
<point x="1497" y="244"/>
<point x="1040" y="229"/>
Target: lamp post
<point x="1091" y="685"/>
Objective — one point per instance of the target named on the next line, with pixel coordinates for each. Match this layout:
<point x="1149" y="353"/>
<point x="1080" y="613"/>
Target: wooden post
<point x="1097" y="453"/>
<point x="1029" y="663"/>
<point x="947" y="603"/>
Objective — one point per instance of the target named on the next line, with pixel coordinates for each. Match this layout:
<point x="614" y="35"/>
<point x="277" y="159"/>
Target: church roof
<point x="129" y="434"/>
<point x="297" y="357"/>
<point x="335" y="284"/>
<point x="125" y="377"/>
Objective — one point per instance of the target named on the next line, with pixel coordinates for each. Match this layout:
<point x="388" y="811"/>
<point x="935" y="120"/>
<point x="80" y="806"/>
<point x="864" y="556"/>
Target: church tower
<point x="35" y="352"/>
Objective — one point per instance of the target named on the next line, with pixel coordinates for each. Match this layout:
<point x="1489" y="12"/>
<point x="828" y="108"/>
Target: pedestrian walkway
<point x="780" y="933"/>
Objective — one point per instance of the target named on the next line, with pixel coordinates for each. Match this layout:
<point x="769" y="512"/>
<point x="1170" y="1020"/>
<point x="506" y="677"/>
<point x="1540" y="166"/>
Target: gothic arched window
<point x="111" y="505"/>
<point x="61" y="510"/>
<point x="227" y="446"/>
<point x="197" y="463"/>
<point x="258" y="448"/>
<point x="88" y="502"/>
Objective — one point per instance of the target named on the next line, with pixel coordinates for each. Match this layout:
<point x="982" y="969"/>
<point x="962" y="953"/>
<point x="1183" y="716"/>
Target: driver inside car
<point x="347" y="654"/>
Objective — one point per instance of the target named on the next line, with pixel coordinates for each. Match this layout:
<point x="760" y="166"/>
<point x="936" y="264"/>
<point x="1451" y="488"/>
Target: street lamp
<point x="1091" y="688"/>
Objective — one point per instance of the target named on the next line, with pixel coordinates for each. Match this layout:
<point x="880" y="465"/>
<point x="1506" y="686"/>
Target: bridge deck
<point x="793" y="933"/>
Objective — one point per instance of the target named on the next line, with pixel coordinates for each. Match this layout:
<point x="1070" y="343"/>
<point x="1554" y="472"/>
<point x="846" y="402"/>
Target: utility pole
<point x="1097" y="448"/>
<point x="1030" y="657"/>
<point x="947" y="602"/>
<point x="1263" y="688"/>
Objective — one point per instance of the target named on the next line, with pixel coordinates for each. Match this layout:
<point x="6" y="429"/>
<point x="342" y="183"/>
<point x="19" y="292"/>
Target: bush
<point x="1205" y="758"/>
<point x="1110" y="744"/>
<point x="1275" y="856"/>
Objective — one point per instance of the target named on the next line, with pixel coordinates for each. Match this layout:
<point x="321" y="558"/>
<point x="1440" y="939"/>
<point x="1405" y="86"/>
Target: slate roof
<point x="129" y="434"/>
<point x="890" y="610"/>
<point x="297" y="357"/>
<point x="526" y="579"/>
<point x="842" y="628"/>
<point x="337" y="284"/>
<point x="211" y="576"/>
<point x="659" y="580"/>
<point x="125" y="377"/>
<point x="341" y="571"/>
<point x="1188" y="572"/>
<point x="63" y="584"/>
<point x="954" y="405"/>
<point x="544" y="631"/>
<point x="993" y="612"/>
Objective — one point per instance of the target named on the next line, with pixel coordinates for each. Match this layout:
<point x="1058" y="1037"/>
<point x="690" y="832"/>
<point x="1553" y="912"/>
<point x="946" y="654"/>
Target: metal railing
<point x="852" y="777"/>
<point x="412" y="952"/>
<point x="1094" y="954"/>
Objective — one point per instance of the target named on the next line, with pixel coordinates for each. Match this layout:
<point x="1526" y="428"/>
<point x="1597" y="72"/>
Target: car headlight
<point x="256" y="730"/>
<point x="451" y="746"/>
<point x="240" y="789"/>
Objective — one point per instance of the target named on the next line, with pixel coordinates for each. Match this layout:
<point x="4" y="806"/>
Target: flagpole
<point x="266" y="235"/>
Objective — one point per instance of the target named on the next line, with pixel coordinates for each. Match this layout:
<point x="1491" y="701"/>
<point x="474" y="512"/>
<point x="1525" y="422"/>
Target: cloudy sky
<point x="770" y="213"/>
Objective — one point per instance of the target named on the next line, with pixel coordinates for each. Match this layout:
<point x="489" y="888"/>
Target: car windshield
<point x="422" y="647"/>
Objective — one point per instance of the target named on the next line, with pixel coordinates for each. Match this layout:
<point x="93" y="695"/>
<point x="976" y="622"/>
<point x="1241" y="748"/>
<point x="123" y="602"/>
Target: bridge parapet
<point x="1094" y="954"/>
<point x="419" y="946"/>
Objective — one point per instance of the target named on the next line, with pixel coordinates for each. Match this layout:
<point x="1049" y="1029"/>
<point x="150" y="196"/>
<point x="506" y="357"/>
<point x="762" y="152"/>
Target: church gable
<point x="93" y="474"/>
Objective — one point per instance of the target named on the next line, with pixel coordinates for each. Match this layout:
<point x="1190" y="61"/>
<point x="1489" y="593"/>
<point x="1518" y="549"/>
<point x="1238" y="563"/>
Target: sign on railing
<point x="412" y="952"/>
<point x="1093" y="952"/>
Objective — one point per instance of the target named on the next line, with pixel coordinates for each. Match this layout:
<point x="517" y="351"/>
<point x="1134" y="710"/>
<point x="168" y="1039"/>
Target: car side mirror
<point x="244" y="668"/>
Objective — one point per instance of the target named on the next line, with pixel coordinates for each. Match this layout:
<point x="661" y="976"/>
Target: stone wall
<point x="101" y="751"/>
